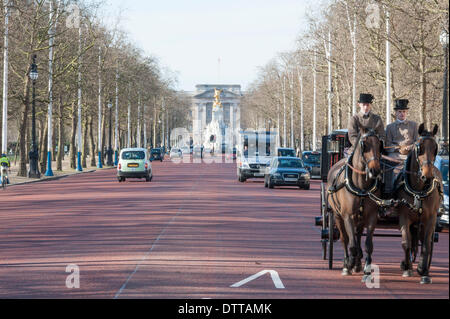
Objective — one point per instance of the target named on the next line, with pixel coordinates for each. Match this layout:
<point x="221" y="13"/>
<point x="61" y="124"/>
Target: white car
<point x="175" y="153"/>
<point x="134" y="163"/>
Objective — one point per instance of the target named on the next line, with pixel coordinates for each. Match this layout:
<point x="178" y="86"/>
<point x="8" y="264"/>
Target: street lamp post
<point x="33" y="155"/>
<point x="110" y="151"/>
<point x="444" y="42"/>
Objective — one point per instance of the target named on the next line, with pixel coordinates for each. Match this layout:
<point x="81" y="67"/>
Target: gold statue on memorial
<point x="217" y="102"/>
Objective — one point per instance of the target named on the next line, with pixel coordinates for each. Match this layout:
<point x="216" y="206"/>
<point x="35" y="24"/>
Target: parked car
<point x="156" y="154"/>
<point x="175" y="153"/>
<point x="287" y="171"/>
<point x="312" y="162"/>
<point x="441" y="163"/>
<point x="286" y="152"/>
<point x="134" y="163"/>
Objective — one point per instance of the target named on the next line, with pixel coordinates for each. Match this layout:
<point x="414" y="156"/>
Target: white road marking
<point x="275" y="278"/>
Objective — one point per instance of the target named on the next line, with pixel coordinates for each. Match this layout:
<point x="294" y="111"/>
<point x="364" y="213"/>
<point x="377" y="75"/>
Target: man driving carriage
<point x="400" y="138"/>
<point x="365" y="118"/>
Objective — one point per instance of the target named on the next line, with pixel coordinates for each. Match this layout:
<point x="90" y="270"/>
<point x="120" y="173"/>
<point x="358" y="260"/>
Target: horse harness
<point x="350" y="186"/>
<point x="403" y="181"/>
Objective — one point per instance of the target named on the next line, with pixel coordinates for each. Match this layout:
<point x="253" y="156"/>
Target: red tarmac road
<point x="191" y="233"/>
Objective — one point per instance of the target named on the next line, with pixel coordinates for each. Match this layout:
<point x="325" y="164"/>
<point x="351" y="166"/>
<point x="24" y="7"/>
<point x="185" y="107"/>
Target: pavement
<point x="194" y="232"/>
<point x="65" y="172"/>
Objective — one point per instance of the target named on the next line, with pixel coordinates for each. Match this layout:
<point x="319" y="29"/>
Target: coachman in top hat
<point x="400" y="138"/>
<point x="365" y="118"/>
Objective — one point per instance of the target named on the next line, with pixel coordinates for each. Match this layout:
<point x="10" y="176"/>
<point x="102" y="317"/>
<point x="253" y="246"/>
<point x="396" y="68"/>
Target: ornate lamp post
<point x="444" y="42"/>
<point x="110" y="151"/>
<point x="34" y="155"/>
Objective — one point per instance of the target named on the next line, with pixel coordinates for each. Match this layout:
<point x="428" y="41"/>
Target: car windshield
<point x="290" y="163"/>
<point x="133" y="155"/>
<point x="311" y="158"/>
<point x="285" y="153"/>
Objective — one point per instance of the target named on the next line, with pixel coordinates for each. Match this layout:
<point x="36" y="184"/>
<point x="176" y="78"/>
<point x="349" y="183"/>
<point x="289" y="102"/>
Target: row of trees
<point x="313" y="88"/>
<point x="84" y="66"/>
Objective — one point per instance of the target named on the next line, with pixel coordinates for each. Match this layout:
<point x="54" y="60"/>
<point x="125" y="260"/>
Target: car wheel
<point x="147" y="178"/>
<point x="307" y="187"/>
<point x="242" y="179"/>
<point x="123" y="179"/>
<point x="265" y="182"/>
<point x="271" y="186"/>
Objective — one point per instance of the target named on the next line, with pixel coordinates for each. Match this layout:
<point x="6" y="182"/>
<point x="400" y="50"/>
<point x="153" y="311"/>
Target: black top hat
<point x="365" y="98"/>
<point x="401" y="105"/>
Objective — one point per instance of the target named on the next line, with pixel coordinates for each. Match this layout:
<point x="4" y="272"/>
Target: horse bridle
<point x="362" y="140"/>
<point x="418" y="150"/>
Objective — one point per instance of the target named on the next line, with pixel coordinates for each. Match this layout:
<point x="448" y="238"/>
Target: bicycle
<point x="4" y="171"/>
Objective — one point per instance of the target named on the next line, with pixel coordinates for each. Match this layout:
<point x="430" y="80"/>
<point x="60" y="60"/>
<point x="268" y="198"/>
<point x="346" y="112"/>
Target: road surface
<point x="193" y="232"/>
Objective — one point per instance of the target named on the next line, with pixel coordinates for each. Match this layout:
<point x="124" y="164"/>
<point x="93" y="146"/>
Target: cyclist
<point x="4" y="162"/>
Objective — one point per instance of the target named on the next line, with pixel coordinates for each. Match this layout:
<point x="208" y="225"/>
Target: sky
<point x="189" y="37"/>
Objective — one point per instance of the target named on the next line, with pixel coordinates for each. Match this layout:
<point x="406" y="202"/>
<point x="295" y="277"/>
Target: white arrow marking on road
<point x="275" y="278"/>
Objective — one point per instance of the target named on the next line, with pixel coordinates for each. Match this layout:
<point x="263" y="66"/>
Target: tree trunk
<point x="85" y="142"/>
<point x="60" y="154"/>
<point x="103" y="136"/>
<point x="73" y="149"/>
<point x="92" y="142"/>
<point x="23" y="131"/>
<point x="44" y="148"/>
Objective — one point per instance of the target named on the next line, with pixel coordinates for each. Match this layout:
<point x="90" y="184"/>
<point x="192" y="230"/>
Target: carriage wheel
<point x="330" y="239"/>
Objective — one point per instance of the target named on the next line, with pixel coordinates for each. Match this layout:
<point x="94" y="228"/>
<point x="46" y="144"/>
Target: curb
<point x="55" y="178"/>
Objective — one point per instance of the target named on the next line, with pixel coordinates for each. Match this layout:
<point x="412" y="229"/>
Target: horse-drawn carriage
<point x="372" y="207"/>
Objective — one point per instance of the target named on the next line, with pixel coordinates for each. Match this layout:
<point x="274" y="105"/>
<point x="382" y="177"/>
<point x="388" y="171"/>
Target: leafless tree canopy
<point x="29" y="26"/>
<point x="417" y="65"/>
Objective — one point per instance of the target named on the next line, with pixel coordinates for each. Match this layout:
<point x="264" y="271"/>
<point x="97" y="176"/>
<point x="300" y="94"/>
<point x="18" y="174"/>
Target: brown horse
<point x="420" y="189"/>
<point x="349" y="184"/>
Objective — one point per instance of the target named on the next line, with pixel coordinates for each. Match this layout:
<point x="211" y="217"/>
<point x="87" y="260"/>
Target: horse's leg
<point x="350" y="228"/>
<point x="358" y="265"/>
<point x="404" y="223"/>
<point x="344" y="239"/>
<point x="423" y="267"/>
<point x="371" y="224"/>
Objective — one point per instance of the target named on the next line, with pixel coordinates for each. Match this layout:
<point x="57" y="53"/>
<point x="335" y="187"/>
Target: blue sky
<point x="189" y="37"/>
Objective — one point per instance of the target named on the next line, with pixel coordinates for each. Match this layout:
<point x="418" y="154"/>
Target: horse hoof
<point x="407" y="273"/>
<point x="357" y="269"/>
<point x="425" y="280"/>
<point x="346" y="272"/>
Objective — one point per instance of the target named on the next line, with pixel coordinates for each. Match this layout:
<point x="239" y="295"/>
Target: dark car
<point x="286" y="171"/>
<point x="156" y="154"/>
<point x="441" y="163"/>
<point x="286" y="152"/>
<point x="312" y="163"/>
